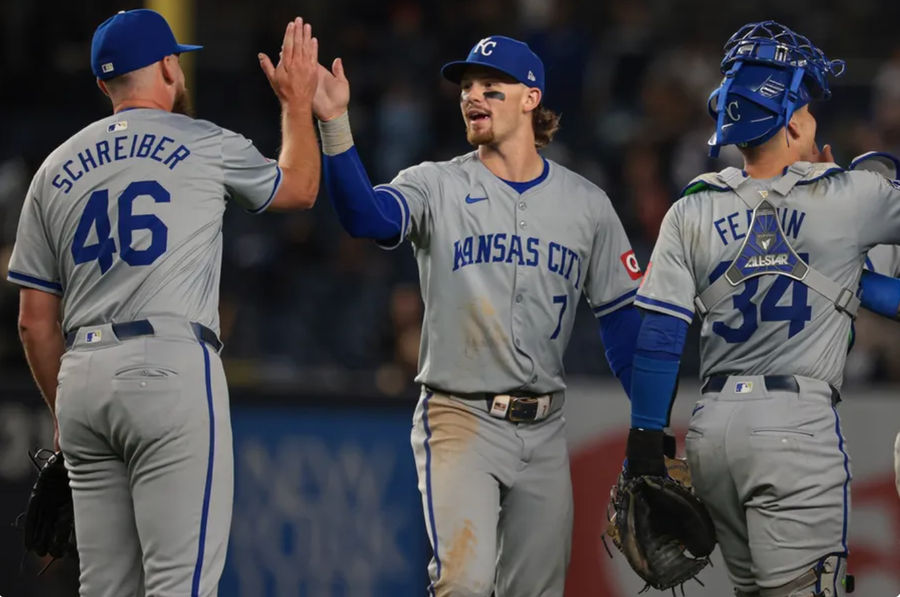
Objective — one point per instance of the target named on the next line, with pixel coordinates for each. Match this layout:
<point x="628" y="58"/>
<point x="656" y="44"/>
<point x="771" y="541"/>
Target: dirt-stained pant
<point x="146" y="432"/>
<point x="772" y="468"/>
<point x="497" y="498"/>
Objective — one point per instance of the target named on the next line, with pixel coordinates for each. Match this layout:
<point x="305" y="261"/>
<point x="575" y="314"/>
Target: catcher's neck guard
<point x="770" y="72"/>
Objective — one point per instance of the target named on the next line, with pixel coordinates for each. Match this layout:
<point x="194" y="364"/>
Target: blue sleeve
<point x="880" y="294"/>
<point x="363" y="211"/>
<point x="619" y="331"/>
<point x="657" y="357"/>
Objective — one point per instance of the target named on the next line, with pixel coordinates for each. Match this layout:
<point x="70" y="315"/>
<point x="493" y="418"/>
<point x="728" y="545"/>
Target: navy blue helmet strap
<point x="721" y="100"/>
<point x="792" y="98"/>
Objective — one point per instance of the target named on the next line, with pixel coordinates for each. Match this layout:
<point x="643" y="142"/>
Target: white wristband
<point x="336" y="135"/>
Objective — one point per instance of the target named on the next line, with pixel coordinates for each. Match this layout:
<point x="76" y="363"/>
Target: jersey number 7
<point x="96" y="216"/>
<point x="798" y="312"/>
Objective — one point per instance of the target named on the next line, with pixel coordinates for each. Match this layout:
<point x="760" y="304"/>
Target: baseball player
<point x="506" y="242"/>
<point x="884" y="260"/>
<point x="118" y="255"/>
<point x="879" y="293"/>
<point x="770" y="257"/>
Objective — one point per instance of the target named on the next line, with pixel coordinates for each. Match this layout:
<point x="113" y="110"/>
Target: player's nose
<point x="473" y="93"/>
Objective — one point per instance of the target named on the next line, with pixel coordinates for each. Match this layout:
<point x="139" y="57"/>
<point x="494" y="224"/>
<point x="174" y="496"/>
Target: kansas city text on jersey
<point x="123" y="147"/>
<point x="512" y="248"/>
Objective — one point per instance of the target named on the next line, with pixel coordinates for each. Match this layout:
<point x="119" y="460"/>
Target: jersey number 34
<point x="96" y="217"/>
<point x="798" y="312"/>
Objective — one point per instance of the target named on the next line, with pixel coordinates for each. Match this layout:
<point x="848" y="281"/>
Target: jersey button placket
<point x="523" y="273"/>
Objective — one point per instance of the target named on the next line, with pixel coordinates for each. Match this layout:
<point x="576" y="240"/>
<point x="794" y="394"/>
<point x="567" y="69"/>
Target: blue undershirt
<point x="521" y="187"/>
<point x="618" y="331"/>
<point x="657" y="357"/>
<point x="880" y="294"/>
<point x="364" y="212"/>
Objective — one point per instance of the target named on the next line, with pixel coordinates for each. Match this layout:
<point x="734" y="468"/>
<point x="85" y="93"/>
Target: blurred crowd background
<point x="305" y="307"/>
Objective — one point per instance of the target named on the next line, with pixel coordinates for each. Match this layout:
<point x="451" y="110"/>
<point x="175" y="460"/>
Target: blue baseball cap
<point x="130" y="40"/>
<point x="505" y="54"/>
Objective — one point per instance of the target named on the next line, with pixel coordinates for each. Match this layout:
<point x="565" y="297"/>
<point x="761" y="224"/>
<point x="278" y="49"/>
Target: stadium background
<point x="321" y="331"/>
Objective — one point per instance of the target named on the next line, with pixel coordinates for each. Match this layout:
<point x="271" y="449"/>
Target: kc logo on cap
<point x="505" y="54"/>
<point x="485" y="47"/>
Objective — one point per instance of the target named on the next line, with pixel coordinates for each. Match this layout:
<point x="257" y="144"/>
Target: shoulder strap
<point x="704" y="182"/>
<point x="766" y="250"/>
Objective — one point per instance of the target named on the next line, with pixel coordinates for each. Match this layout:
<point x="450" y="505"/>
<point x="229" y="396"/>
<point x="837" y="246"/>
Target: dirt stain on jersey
<point x="481" y="327"/>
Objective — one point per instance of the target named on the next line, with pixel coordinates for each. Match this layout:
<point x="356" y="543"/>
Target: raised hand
<point x="294" y="79"/>
<point x="333" y="91"/>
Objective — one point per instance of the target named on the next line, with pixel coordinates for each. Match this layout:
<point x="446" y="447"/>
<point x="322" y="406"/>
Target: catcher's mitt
<point x="662" y="528"/>
<point x="49" y="519"/>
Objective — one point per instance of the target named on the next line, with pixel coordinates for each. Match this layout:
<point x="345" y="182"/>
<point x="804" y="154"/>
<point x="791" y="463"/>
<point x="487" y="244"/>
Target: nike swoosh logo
<point x="470" y="199"/>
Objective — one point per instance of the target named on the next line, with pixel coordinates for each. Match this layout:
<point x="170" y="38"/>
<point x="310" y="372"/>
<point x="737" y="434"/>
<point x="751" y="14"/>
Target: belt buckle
<point x="518" y="405"/>
<point x="528" y="409"/>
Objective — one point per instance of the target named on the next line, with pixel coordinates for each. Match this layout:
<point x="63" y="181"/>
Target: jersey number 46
<point x="96" y="217"/>
<point x="798" y="312"/>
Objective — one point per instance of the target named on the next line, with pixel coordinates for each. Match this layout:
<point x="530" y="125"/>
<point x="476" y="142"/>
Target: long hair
<point x="545" y="122"/>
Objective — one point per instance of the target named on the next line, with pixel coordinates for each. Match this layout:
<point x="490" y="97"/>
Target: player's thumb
<point x="337" y="67"/>
<point x="266" y="65"/>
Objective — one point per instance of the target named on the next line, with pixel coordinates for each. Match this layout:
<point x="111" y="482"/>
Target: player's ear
<point x="103" y="87"/>
<point x="168" y="65"/>
<point x="793" y="128"/>
<point x="532" y="99"/>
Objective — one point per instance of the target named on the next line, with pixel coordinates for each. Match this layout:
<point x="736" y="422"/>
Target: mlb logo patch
<point x="743" y="387"/>
<point x="117" y="126"/>
<point x="92" y="336"/>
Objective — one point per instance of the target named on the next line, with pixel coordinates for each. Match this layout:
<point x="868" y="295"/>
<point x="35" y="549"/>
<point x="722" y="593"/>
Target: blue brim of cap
<point x="454" y="71"/>
<point x="188" y="48"/>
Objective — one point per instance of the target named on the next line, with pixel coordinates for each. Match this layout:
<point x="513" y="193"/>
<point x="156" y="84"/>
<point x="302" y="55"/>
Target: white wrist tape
<point x="336" y="135"/>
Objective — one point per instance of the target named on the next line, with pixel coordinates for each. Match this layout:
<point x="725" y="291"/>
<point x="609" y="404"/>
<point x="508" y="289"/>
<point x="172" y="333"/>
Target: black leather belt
<point x="523" y="407"/>
<point x="142" y="327"/>
<point x="774" y="383"/>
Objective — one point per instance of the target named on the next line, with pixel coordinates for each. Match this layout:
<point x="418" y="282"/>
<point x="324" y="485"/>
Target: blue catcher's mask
<point x="770" y="72"/>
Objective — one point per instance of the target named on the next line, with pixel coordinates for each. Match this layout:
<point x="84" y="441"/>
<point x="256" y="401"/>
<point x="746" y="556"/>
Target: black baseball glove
<point x="662" y="528"/>
<point x="49" y="520"/>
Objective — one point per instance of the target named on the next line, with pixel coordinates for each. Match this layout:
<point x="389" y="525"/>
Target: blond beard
<point x="480" y="138"/>
<point x="182" y="103"/>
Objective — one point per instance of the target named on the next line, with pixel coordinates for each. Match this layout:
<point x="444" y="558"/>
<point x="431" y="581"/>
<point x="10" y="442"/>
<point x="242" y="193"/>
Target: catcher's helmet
<point x="770" y="71"/>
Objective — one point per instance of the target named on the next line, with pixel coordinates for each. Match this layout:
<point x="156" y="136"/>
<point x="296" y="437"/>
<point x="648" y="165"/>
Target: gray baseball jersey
<point x="125" y="218"/>
<point x="884" y="260"/>
<point x="124" y="221"/>
<point x="831" y="218"/>
<point x="501" y="273"/>
<point x="766" y="451"/>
